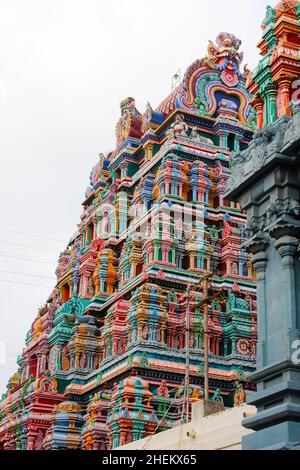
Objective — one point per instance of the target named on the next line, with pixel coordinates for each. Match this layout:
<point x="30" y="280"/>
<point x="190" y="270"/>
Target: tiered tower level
<point x="105" y="359"/>
<point x="274" y="81"/>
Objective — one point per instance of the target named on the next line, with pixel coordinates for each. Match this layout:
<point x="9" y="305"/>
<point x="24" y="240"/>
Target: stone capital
<point x="285" y="229"/>
<point x="287" y="248"/>
<point x="285" y="81"/>
<point x="257" y="102"/>
<point x="258" y="244"/>
<point x="270" y="89"/>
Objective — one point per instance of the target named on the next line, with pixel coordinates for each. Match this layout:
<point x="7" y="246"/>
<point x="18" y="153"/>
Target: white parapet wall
<point x="222" y="431"/>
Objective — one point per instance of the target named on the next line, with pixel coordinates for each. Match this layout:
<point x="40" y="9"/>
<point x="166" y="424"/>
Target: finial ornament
<point x="226" y="58"/>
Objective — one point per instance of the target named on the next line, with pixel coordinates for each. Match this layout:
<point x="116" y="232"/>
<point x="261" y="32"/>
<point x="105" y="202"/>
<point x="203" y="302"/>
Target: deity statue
<point x="89" y="443"/>
<point x="163" y="390"/>
<point x="145" y="331"/>
<point x="121" y="348"/>
<point x="91" y="287"/>
<point x="239" y="396"/>
<point x="96" y="362"/>
<point x="179" y="128"/>
<point x="14" y="381"/>
<point x="253" y="348"/>
<point x="235" y="269"/>
<point x="226" y="230"/>
<point x="65" y="358"/>
<point x="147" y="116"/>
<point x="158" y="335"/>
<point x="126" y="121"/>
<point x="248" y="74"/>
<point x="37" y="328"/>
<point x="197" y="395"/>
<point x="83" y="361"/>
<point x="130" y="122"/>
<point x="39" y="440"/>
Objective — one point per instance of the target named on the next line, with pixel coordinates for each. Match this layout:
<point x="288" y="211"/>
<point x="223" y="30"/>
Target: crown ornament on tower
<point x="226" y="58"/>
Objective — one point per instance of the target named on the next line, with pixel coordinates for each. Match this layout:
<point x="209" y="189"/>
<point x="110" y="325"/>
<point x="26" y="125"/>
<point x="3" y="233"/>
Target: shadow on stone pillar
<point x="265" y="180"/>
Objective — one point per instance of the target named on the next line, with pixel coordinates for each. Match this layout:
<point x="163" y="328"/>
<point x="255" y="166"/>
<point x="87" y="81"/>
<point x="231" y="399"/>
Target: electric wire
<point x="178" y="391"/>
<point x="25" y="284"/>
<point x="31" y="235"/>
<point x="22" y="245"/>
<point x="23" y="258"/>
<point x="27" y="274"/>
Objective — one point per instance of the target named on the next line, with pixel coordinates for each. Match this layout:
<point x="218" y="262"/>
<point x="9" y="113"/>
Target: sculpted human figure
<point x="96" y="362"/>
<point x="126" y="121"/>
<point x="179" y="127"/>
<point x="83" y="361"/>
<point x="239" y="396"/>
<point x="145" y="331"/>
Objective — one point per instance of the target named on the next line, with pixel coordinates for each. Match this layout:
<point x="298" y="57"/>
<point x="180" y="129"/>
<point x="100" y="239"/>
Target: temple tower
<point x="271" y="83"/>
<point x="116" y="331"/>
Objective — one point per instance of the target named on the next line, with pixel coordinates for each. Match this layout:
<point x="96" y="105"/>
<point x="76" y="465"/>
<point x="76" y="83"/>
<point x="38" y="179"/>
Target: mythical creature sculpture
<point x="292" y="132"/>
<point x="266" y="142"/>
<point x="217" y="396"/>
<point x="226" y="58"/>
<point x="286" y="206"/>
<point x="199" y="138"/>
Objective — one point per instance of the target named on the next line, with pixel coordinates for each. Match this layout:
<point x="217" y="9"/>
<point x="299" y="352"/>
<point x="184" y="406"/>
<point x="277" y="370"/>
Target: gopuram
<point x="105" y="359"/>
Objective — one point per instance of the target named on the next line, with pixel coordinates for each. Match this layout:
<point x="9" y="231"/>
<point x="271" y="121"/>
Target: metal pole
<point x="205" y="301"/>
<point x="205" y="327"/>
<point x="187" y="349"/>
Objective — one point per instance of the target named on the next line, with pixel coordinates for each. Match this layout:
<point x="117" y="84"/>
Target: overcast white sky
<point x="64" y="67"/>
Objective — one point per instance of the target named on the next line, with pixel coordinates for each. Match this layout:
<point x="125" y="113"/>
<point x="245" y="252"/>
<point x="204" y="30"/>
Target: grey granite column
<point x="265" y="180"/>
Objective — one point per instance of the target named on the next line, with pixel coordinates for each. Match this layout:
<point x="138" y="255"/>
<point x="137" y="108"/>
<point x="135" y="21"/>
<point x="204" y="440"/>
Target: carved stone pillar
<point x="25" y="370"/>
<point x="39" y="365"/>
<point x="287" y="249"/>
<point x="258" y="248"/>
<point x="270" y="104"/>
<point x="237" y="143"/>
<point x="284" y="87"/>
<point x="258" y="105"/>
<point x="31" y="438"/>
<point x="266" y="182"/>
<point x="223" y="139"/>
